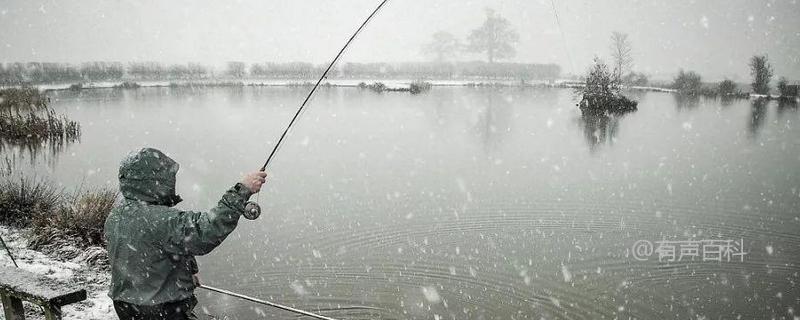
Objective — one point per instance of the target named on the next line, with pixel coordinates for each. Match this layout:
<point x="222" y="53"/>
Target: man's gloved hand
<point x="254" y="181"/>
<point x="196" y="280"/>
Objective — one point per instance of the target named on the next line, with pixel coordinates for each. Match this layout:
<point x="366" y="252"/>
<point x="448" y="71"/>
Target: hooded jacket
<point x="152" y="245"/>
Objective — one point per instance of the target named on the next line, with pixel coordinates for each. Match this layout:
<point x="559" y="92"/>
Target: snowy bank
<point x="73" y="271"/>
<point x="390" y="83"/>
<point x="352" y="83"/>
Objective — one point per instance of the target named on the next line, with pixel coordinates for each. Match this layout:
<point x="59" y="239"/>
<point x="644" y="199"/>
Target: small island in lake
<point x="601" y="94"/>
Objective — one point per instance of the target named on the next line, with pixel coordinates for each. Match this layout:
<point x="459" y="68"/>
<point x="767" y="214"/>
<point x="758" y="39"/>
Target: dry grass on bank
<point x="81" y="216"/>
<point x="54" y="215"/>
<point x="22" y="198"/>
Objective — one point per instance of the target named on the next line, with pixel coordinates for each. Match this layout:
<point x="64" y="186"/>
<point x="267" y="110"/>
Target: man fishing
<point x="152" y="245"/>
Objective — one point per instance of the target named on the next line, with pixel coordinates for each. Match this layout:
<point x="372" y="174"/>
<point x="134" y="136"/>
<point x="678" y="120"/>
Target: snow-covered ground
<point x="93" y="279"/>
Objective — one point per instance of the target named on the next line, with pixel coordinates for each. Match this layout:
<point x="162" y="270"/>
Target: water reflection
<point x="785" y="105"/>
<point x="35" y="133"/>
<point x="727" y="101"/>
<point x="599" y="129"/>
<point x="139" y="95"/>
<point x="758" y="114"/>
<point x="686" y="101"/>
<point x="111" y="95"/>
<point x="602" y="127"/>
<point x="236" y="94"/>
<point x="493" y="123"/>
<point x="636" y="95"/>
<point x="37" y="148"/>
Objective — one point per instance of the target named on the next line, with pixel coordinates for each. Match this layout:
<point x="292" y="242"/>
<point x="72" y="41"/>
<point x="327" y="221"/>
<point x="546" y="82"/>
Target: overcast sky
<point x="713" y="37"/>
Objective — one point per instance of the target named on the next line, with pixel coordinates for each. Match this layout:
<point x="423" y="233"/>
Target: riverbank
<point x="352" y="83"/>
<point x="64" y="264"/>
<point x="392" y="84"/>
<point x="387" y="85"/>
<point x="58" y="234"/>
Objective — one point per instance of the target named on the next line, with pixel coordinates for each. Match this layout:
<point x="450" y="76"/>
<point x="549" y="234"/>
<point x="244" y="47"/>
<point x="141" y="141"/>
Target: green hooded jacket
<point x="152" y="245"/>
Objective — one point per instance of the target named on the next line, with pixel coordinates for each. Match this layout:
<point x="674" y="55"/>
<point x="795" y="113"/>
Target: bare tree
<point x="442" y="47"/>
<point x="621" y="54"/>
<point x="495" y="37"/>
<point x="761" y="71"/>
<point x="236" y="69"/>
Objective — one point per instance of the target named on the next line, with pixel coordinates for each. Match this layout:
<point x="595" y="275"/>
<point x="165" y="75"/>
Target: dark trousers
<point x="178" y="310"/>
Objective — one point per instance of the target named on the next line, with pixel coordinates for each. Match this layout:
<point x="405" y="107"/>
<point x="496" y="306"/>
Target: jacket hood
<point x="149" y="176"/>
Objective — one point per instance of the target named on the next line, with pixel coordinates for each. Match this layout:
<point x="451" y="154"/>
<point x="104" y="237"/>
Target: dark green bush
<point x="727" y="88"/>
<point x="761" y="70"/>
<point x="636" y="79"/>
<point x="786" y="90"/>
<point x="688" y="83"/>
<point x="127" y="85"/>
<point x="418" y="87"/>
<point x="601" y="94"/>
<point x="376" y="87"/>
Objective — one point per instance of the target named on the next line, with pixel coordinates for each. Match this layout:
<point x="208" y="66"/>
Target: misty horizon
<point x="714" y="38"/>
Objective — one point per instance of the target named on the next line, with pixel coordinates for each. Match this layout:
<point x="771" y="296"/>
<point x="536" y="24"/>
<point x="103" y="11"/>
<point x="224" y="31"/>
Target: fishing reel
<point x="251" y="210"/>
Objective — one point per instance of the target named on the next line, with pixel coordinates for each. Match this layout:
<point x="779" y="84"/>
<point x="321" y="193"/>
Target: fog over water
<point x="714" y="38"/>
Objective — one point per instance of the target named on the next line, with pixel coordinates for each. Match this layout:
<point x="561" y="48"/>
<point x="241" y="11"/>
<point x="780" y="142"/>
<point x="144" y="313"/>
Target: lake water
<point x="472" y="203"/>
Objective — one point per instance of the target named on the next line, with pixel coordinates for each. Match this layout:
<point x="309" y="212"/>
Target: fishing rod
<point x="252" y="209"/>
<point x="265" y="302"/>
<point x="313" y="89"/>
<point x="9" y="252"/>
<point x="563" y="37"/>
<point x="13" y="260"/>
<point x="222" y="291"/>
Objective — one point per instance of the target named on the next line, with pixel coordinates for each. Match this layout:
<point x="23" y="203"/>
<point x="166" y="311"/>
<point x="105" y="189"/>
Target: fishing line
<point x="563" y="37"/>
<point x="316" y="85"/>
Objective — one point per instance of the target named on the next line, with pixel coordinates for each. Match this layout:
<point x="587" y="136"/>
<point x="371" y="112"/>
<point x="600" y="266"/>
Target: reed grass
<point x="25" y="118"/>
<point x="23" y="99"/>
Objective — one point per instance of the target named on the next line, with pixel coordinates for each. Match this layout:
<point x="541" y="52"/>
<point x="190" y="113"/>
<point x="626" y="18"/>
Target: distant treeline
<point x="48" y="72"/>
<point x="412" y="70"/>
<point x="43" y="72"/>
